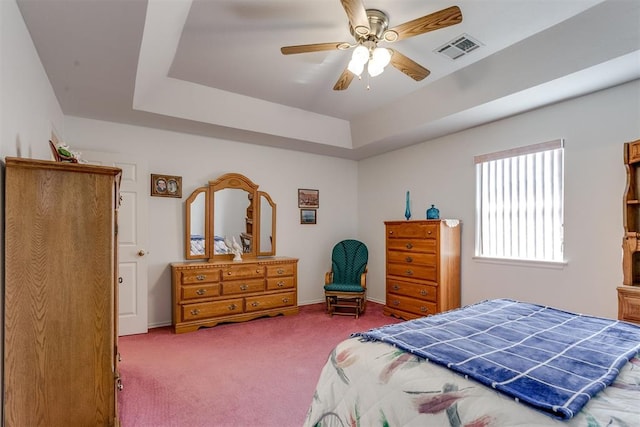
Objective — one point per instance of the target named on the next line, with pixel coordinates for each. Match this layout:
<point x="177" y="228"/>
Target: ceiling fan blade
<point x="435" y="21"/>
<point x="357" y="15"/>
<point x="344" y="81"/>
<point x="411" y="68"/>
<point x="317" y="47"/>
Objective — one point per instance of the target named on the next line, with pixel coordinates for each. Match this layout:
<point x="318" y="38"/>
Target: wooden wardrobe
<point x="60" y="295"/>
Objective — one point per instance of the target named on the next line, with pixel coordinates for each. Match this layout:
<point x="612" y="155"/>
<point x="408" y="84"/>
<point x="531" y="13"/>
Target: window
<point x="519" y="203"/>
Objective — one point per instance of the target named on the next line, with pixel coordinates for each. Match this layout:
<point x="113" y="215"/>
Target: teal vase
<point x="433" y="213"/>
<point x="407" y="209"/>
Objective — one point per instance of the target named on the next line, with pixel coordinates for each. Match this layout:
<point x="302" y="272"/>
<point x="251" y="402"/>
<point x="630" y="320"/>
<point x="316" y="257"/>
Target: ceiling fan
<point x="371" y="26"/>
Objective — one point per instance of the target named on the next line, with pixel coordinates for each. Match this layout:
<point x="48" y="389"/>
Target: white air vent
<point x="459" y="47"/>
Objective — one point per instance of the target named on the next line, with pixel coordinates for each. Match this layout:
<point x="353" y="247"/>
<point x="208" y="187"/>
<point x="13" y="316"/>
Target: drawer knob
<point x="408" y="259"/>
<point x="409" y="246"/>
<point x="232" y="307"/>
<point x="280" y="271"/>
<point x="258" y="271"/>
<point x="280" y="284"/>
<point x="119" y="384"/>
<point x="391" y="232"/>
<point x="285" y="300"/>
<point x="195" y="312"/>
<point x="244" y="287"/>
<point x="255" y="304"/>
<point x="201" y="277"/>
<point x="396" y="302"/>
<point x="201" y="291"/>
<point x="409" y="272"/>
<point x="424" y="292"/>
<point x="424" y="309"/>
<point x="429" y="232"/>
<point x="396" y="287"/>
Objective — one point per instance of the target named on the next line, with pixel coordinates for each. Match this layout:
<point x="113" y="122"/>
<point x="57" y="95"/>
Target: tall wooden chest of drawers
<point x="208" y="293"/>
<point x="60" y="294"/>
<point x="422" y="267"/>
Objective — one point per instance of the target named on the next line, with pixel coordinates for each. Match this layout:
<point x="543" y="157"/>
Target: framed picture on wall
<point x="308" y="198"/>
<point x="166" y="185"/>
<point x="308" y="216"/>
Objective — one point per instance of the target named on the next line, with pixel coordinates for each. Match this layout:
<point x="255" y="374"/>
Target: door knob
<point x="141" y="252"/>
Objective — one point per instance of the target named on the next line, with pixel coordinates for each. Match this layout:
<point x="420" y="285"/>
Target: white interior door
<point x="132" y="239"/>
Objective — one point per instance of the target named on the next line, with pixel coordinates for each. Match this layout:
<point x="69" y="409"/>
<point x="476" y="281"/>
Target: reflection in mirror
<point x="266" y="234"/>
<point x="230" y="222"/>
<point x="267" y="225"/>
<point x="197" y="225"/>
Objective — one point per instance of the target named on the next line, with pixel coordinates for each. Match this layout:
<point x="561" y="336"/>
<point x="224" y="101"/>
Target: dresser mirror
<point x="229" y="210"/>
<point x="267" y="225"/>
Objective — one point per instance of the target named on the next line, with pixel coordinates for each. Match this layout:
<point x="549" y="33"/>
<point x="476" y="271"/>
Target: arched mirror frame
<point x="263" y="220"/>
<point x="238" y="182"/>
<point x="206" y="220"/>
<point x="229" y="181"/>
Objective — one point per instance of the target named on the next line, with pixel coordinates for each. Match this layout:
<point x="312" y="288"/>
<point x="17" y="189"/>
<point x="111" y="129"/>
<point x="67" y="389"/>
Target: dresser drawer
<point x="204" y="290"/>
<point x="410" y="305"/>
<point x="280" y="270"/>
<point x="629" y="304"/>
<point x="413" y="245"/>
<point x="242" y="286"/>
<point x="211" y="309"/>
<point x="409" y="258"/>
<point x="413" y="230"/>
<point x="234" y="272"/>
<point x="413" y="290"/>
<point x="200" y="276"/>
<point x="274" y="283"/>
<point x="417" y="272"/>
<point x="265" y="302"/>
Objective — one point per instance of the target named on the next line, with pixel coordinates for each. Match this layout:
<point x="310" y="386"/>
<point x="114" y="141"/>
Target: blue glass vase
<point x="407" y="210"/>
<point x="433" y="213"/>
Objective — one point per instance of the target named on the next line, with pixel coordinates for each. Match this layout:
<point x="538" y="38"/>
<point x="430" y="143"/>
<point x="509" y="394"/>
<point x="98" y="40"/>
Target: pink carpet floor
<point x="257" y="373"/>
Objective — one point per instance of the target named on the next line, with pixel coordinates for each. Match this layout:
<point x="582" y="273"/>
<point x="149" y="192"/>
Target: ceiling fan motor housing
<point x="378" y="24"/>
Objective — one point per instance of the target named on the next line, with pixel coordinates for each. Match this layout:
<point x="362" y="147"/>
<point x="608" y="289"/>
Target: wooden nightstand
<point x="629" y="303"/>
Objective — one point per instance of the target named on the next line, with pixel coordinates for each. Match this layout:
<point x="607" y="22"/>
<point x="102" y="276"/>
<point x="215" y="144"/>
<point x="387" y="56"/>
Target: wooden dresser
<point x="60" y="296"/>
<point x="422" y="267"/>
<point x="208" y="293"/>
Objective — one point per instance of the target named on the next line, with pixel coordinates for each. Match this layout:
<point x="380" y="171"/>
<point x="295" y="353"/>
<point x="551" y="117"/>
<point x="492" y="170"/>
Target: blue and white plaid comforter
<point x="550" y="359"/>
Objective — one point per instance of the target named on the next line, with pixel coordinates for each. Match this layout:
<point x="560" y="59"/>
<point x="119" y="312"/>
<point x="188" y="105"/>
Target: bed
<point x="495" y="363"/>
<point x="198" y="245"/>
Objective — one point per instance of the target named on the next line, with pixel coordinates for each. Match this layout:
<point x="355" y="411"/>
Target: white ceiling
<point x="214" y="67"/>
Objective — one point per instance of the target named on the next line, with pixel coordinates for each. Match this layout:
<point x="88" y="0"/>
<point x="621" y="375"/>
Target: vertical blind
<point x="519" y="203"/>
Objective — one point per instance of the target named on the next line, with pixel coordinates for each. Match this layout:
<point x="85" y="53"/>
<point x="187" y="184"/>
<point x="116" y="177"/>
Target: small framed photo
<point x="308" y="216"/>
<point x="308" y="198"/>
<point x="166" y="185"/>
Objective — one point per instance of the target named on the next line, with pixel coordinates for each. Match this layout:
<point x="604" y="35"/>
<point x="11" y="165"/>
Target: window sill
<point x="522" y="262"/>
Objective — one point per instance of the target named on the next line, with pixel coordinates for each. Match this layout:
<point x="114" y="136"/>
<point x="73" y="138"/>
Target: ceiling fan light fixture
<point x="374" y="69"/>
<point x="381" y="57"/>
<point x="356" y="67"/>
<point x="360" y="54"/>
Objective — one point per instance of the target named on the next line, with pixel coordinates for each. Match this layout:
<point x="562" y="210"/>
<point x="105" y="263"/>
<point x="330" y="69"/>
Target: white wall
<point x="442" y="172"/>
<point x="198" y="160"/>
<point x="29" y="110"/>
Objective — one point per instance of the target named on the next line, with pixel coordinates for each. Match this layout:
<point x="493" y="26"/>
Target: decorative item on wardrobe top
<point x="228" y="208"/>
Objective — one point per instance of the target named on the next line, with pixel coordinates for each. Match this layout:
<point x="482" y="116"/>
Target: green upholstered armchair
<point x="346" y="284"/>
